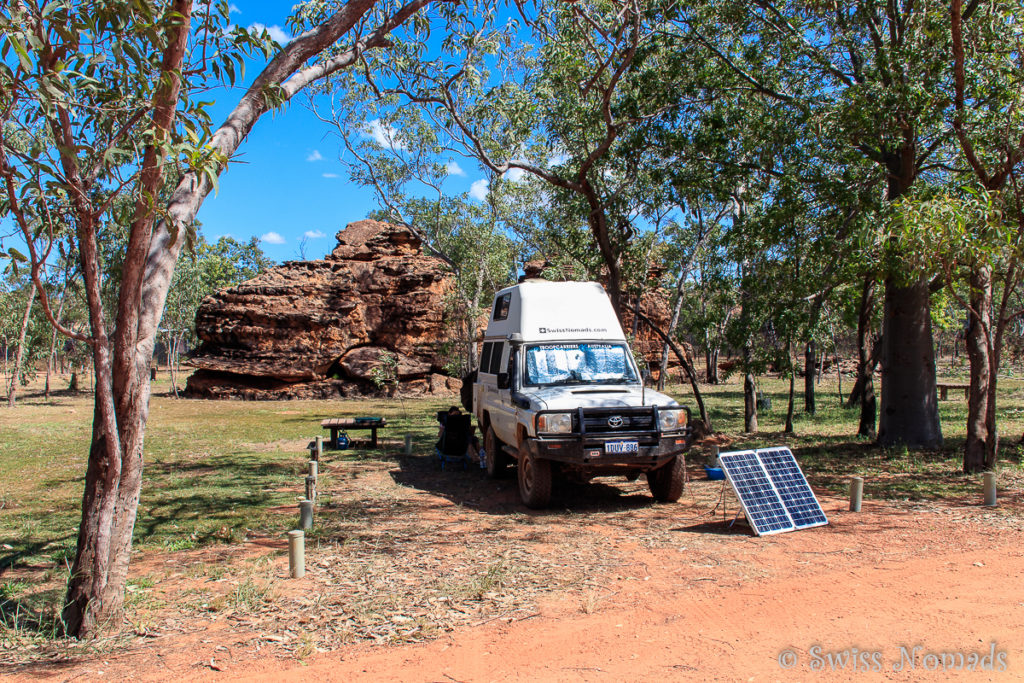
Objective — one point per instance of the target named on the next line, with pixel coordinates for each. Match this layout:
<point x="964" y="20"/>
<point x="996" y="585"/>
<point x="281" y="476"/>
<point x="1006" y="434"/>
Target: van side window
<point x="501" y="305"/>
<point x="496" y="352"/>
<point x="485" y="357"/>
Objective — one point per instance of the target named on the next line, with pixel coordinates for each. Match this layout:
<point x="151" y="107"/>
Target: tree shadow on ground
<point x="472" y="487"/>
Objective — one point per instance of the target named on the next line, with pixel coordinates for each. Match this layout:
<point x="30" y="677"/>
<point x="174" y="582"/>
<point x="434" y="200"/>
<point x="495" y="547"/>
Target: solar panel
<point x="772" y="490"/>
<point x="760" y="501"/>
<point x="792" y="486"/>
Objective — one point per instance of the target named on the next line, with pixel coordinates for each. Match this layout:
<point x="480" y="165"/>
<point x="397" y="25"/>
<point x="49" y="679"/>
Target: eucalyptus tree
<point x="552" y="89"/>
<point x="988" y="96"/>
<point x="107" y="92"/>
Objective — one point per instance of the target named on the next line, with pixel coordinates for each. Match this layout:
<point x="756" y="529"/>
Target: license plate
<point x="614" y="447"/>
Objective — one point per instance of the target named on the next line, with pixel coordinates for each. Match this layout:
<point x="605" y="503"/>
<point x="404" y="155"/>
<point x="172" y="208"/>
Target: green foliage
<point x="385" y="373"/>
<point x="951" y="232"/>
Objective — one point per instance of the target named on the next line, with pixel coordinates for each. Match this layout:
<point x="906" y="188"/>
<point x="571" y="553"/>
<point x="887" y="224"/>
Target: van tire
<point x="667" y="482"/>
<point x="497" y="461"/>
<point x="534" y="481"/>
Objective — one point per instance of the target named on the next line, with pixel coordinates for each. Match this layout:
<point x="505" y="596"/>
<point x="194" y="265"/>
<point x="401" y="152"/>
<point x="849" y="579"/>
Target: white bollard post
<point x="989" y="482"/>
<point x="314" y="469"/>
<point x="319" y="448"/>
<point x="296" y="554"/>
<point x="714" y="457"/>
<point x="856" y="493"/>
<point x="305" y="514"/>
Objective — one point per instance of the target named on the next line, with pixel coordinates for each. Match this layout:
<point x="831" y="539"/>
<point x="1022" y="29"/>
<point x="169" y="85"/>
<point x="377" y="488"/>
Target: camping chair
<point x="455" y="440"/>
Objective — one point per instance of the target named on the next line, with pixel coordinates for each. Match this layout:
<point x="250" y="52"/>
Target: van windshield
<point x="568" y="363"/>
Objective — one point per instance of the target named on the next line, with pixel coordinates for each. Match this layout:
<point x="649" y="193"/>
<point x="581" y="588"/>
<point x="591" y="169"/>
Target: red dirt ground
<point x="945" y="580"/>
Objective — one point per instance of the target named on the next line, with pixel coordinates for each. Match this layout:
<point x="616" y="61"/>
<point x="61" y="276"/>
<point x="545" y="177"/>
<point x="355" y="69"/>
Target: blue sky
<point x="287" y="181"/>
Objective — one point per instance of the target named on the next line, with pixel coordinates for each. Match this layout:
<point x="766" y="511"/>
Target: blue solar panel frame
<point x="791" y="484"/>
<point x="761" y="502"/>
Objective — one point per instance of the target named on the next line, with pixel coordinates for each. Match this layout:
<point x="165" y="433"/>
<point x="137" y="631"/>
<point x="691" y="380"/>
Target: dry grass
<point x="400" y="551"/>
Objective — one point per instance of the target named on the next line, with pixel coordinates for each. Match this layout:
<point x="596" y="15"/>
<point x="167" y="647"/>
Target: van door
<point x="503" y="412"/>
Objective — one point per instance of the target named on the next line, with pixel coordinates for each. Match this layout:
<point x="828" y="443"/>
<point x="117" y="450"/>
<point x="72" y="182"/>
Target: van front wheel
<point x="534" y="481"/>
<point x="496" y="458"/>
<point x="666" y="482"/>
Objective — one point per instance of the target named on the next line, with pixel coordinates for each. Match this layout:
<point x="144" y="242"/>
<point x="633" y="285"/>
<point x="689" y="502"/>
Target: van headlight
<point x="554" y="423"/>
<point x="672" y="419"/>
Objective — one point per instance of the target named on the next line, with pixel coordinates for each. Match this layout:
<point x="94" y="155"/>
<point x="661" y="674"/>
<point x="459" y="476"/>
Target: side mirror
<point x="503" y="382"/>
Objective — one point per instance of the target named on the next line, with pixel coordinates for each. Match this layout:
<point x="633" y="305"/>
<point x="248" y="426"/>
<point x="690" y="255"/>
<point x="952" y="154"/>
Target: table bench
<point x="944" y="388"/>
<point x="338" y="424"/>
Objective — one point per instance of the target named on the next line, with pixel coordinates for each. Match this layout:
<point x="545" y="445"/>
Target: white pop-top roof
<point x="555" y="311"/>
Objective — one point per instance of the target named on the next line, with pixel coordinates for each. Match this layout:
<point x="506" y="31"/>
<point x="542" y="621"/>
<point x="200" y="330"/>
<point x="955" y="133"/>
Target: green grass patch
<point x="217" y="472"/>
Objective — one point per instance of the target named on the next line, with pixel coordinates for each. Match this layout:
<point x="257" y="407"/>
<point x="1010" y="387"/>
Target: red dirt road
<point x="885" y="579"/>
<point x="911" y="588"/>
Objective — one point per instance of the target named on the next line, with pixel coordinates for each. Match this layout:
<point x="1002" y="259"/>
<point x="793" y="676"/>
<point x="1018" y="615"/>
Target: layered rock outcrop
<point x="316" y="329"/>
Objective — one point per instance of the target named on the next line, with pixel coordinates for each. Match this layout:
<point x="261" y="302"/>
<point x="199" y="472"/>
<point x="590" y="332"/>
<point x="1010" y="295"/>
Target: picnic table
<point x="339" y="424"/>
<point x="944" y="388"/>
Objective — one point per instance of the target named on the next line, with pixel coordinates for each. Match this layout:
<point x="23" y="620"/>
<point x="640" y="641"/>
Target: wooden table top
<point x="353" y="423"/>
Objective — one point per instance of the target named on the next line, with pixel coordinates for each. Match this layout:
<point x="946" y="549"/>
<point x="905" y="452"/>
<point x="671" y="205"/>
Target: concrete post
<point x="714" y="457"/>
<point x="311" y="488"/>
<point x="408" y="444"/>
<point x="856" y="493"/>
<point x="314" y="469"/>
<point x="319" y="452"/>
<point x="305" y="514"/>
<point x="989" y="482"/>
<point x="296" y="554"/>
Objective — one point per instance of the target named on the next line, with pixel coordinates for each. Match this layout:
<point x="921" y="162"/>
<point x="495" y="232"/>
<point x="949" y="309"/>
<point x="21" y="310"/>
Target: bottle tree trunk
<point x="19" y="356"/>
<point x="976" y="446"/>
<point x="910" y="413"/>
<point x="810" y="363"/>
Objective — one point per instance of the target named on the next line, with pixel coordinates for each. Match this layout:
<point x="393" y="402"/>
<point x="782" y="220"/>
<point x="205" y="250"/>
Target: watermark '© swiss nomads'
<point x="904" y="658"/>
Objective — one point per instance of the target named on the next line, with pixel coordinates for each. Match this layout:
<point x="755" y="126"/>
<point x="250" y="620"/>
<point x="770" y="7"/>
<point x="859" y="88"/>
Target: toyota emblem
<point x="615" y="421"/>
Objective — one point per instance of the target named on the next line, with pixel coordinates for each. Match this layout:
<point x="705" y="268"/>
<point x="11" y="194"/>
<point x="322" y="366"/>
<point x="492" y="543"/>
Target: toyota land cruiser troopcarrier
<point x="558" y="389"/>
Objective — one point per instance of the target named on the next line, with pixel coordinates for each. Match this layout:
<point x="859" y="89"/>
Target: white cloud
<point x="383" y="134"/>
<point x="329" y="175"/>
<point x="514" y="175"/>
<point x="233" y="9"/>
<point x="478" y="190"/>
<point x="275" y="32"/>
<point x="272" y="238"/>
<point x="452" y="168"/>
<point x="313" y="235"/>
<point x="315" y="156"/>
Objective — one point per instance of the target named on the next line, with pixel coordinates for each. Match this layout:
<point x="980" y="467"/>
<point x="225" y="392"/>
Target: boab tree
<point x="105" y="90"/>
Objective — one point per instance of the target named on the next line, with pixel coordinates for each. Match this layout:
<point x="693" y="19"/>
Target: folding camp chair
<point x="455" y="440"/>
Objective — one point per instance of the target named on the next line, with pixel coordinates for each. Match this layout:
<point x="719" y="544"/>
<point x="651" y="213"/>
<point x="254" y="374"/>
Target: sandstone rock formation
<point x="315" y="329"/>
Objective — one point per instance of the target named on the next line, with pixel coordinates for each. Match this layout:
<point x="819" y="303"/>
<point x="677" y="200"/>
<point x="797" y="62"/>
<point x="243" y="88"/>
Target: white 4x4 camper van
<point x="558" y="387"/>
